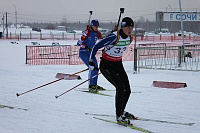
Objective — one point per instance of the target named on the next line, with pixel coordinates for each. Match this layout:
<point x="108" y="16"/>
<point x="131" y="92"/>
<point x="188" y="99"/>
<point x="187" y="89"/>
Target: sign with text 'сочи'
<point x="176" y="16"/>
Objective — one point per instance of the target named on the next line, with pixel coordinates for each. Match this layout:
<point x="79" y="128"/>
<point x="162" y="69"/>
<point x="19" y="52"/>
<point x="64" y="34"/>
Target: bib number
<point x="119" y="50"/>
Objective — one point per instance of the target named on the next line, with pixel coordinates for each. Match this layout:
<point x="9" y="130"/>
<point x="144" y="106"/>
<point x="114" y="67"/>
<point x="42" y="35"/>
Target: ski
<point x="125" y="125"/>
<point x="145" y="119"/>
<point x="80" y="89"/>
<point x="10" y="107"/>
<point x="98" y="93"/>
<point x="168" y="122"/>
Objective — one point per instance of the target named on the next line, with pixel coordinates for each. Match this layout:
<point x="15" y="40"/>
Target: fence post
<point x="179" y="56"/>
<point x="135" y="60"/>
<point x="69" y="54"/>
<point x="20" y="35"/>
<point x="174" y="36"/>
<point x="40" y="36"/>
<point x="10" y="35"/>
<point x="52" y="36"/>
<point x="30" y="35"/>
<point x="26" y="54"/>
<point x="171" y="38"/>
<point x="165" y="45"/>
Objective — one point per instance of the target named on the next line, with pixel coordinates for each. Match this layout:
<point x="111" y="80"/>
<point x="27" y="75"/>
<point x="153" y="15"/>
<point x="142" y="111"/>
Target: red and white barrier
<point x="62" y="55"/>
<point x="172" y="85"/>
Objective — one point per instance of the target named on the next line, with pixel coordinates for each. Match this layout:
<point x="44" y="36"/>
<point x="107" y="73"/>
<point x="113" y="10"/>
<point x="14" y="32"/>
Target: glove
<point x="92" y="65"/>
<point x="88" y="48"/>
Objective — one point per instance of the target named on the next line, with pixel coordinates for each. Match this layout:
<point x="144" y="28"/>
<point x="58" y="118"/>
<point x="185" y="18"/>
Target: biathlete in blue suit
<point x="88" y="39"/>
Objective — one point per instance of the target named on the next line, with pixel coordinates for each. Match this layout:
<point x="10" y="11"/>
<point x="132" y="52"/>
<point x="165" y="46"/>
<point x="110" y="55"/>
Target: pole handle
<point x="121" y="11"/>
<point x="89" y="18"/>
<point x="116" y="26"/>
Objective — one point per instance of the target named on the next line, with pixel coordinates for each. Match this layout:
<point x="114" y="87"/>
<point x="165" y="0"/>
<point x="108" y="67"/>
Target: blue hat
<point x="95" y="22"/>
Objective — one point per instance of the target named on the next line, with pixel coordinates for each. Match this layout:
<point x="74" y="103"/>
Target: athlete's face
<point x="128" y="30"/>
<point x="95" y="28"/>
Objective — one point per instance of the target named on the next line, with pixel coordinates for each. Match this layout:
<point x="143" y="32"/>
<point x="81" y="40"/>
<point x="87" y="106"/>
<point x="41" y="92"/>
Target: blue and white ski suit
<point x="88" y="39"/>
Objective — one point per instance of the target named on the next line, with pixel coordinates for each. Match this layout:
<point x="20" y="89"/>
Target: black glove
<point x="88" y="48"/>
<point x="92" y="65"/>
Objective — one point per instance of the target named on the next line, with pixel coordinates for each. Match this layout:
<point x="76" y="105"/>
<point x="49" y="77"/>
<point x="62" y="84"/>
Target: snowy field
<point x="41" y="112"/>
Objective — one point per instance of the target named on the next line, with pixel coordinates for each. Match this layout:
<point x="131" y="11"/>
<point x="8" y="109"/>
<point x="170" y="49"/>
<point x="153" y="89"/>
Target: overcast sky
<point x="78" y="10"/>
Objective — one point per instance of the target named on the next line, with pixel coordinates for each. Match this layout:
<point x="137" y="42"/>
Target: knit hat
<point x="127" y="22"/>
<point x="95" y="22"/>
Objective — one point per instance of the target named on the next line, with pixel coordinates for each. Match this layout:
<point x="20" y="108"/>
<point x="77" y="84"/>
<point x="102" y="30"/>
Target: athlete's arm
<point x="109" y="40"/>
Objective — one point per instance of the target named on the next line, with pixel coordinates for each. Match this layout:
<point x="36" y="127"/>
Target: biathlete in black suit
<point x="112" y="68"/>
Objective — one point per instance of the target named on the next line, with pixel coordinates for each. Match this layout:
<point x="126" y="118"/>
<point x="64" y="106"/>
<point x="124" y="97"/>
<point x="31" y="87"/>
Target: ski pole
<point x="121" y="11"/>
<point x="89" y="18"/>
<point x="50" y="83"/>
<point x="76" y="86"/>
<point x="116" y="26"/>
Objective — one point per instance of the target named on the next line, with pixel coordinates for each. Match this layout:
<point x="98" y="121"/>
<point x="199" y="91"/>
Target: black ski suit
<point x="114" y="72"/>
<point x="112" y="68"/>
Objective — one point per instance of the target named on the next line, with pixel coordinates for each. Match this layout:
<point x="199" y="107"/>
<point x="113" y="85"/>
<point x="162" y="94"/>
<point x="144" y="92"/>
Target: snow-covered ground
<point x="46" y="114"/>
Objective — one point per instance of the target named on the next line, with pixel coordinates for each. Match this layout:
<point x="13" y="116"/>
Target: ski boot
<point x="129" y="116"/>
<point x="122" y="120"/>
<point x="96" y="87"/>
<point x="93" y="89"/>
<point x="100" y="88"/>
